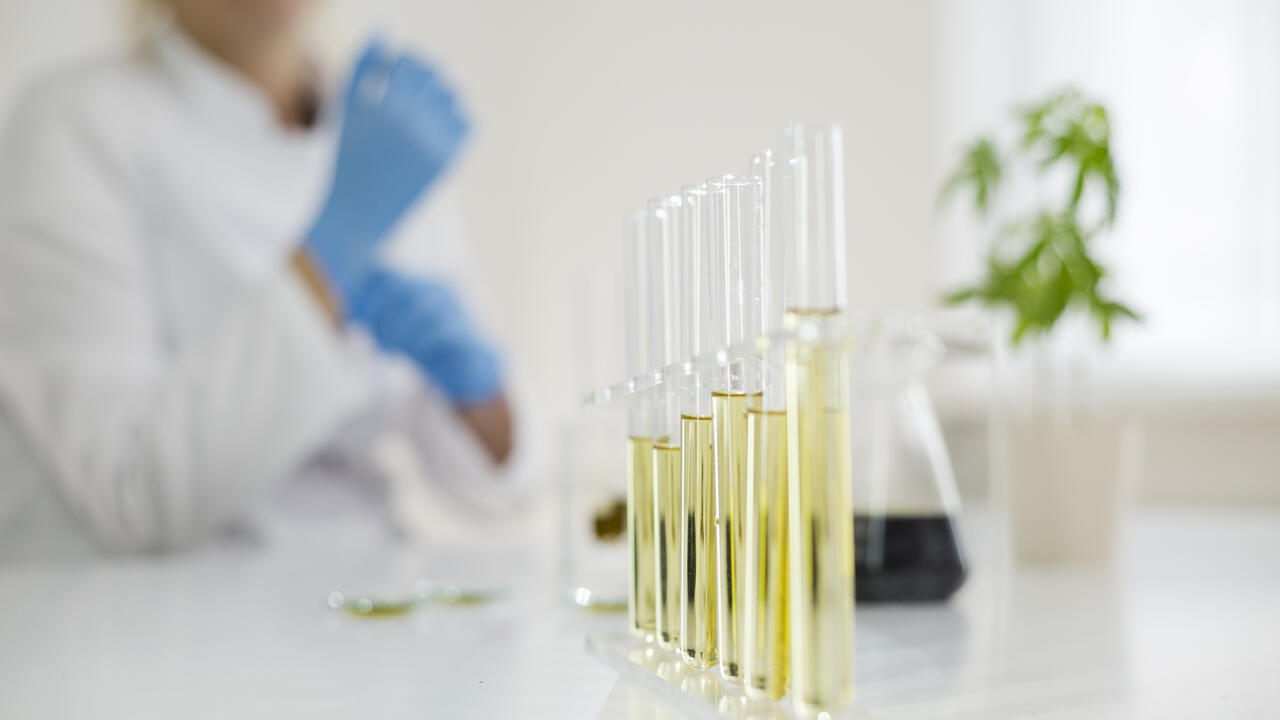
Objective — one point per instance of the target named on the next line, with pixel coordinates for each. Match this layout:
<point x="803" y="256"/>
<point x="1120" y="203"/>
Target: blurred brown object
<point x="610" y="521"/>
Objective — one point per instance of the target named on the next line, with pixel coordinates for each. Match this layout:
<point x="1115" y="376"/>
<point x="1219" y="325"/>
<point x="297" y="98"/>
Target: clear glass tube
<point x="765" y="643"/>
<point x="695" y="258"/>
<point x="816" y="199"/>
<point x="641" y="547"/>
<point x="820" y="489"/>
<point x="736" y="220"/>
<point x="697" y="461"/>
<point x="665" y="328"/>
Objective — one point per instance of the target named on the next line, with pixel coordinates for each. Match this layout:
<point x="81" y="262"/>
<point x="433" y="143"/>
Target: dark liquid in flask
<point x="911" y="558"/>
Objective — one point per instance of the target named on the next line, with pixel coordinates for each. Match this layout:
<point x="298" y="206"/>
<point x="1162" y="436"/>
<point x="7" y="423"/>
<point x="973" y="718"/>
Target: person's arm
<point x="148" y="447"/>
<point x="454" y="459"/>
<point x="492" y="424"/>
<point x="433" y="243"/>
<point x="313" y="279"/>
<point x="460" y="416"/>
<point x="490" y="421"/>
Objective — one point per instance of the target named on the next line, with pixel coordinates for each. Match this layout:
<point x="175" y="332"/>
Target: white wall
<point x="586" y="109"/>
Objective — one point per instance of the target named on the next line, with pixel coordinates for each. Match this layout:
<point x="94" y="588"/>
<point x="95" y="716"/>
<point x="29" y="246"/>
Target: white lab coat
<point x="163" y="374"/>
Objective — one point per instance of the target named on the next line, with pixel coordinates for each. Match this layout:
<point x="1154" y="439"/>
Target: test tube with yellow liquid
<point x="818" y="463"/>
<point x="765" y="641"/>
<point x="697" y="459"/>
<point x="665" y="327"/>
<point x="735" y="226"/>
<point x="641" y="547"/>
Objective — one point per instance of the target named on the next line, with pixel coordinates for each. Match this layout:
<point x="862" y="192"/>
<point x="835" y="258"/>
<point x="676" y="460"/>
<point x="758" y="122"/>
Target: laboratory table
<point x="1187" y="626"/>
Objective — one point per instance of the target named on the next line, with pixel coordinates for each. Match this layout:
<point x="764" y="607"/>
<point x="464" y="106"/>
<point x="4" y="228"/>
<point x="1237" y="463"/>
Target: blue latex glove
<point x="401" y="128"/>
<point x="424" y="320"/>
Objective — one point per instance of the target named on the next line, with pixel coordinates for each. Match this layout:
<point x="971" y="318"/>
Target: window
<point x="1194" y="91"/>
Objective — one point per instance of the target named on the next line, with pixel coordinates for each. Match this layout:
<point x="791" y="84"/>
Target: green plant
<point x="1040" y="265"/>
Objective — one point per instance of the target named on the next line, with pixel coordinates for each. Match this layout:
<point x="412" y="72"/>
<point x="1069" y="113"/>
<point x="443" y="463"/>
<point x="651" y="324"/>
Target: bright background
<point x="585" y="109"/>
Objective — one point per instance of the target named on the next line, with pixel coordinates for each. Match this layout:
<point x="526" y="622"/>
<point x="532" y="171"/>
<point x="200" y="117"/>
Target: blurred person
<point x="221" y="284"/>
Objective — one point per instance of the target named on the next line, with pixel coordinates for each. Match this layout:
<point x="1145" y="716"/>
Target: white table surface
<point x="1189" y="626"/>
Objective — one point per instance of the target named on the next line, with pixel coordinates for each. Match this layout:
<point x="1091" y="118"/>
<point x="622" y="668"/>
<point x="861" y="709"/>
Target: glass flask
<point x="906" y="505"/>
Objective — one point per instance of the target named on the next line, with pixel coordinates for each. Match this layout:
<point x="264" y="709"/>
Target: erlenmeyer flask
<point x="905" y="501"/>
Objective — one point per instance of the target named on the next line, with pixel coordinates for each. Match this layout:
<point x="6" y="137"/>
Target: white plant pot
<point x="1069" y="486"/>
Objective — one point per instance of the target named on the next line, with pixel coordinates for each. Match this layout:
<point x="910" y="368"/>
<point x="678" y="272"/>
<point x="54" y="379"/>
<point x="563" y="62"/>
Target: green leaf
<point x="1077" y="190"/>
<point x="980" y="169"/>
<point x="1039" y="265"/>
<point x="1118" y="309"/>
<point x="958" y="297"/>
<point x="1106" y="312"/>
<point x="1020" y="330"/>
<point x="1126" y="311"/>
<point x="1112" y="184"/>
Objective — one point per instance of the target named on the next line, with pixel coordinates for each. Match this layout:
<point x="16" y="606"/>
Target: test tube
<point x="697" y="458"/>
<point x="641" y="547"/>
<point x="765" y="651"/>
<point x="665" y="326"/>
<point x="736" y="222"/>
<point x="821" y="505"/>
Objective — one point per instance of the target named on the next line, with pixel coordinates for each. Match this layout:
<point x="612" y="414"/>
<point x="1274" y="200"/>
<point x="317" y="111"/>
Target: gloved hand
<point x="400" y="131"/>
<point x="424" y="320"/>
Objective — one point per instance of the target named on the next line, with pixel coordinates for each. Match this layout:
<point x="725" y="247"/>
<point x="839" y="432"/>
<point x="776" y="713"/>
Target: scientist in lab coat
<point x="224" y="286"/>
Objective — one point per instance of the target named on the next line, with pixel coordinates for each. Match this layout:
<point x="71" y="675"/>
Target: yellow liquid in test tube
<point x="821" y="522"/>
<point x="729" y="426"/>
<point x="666" y="527"/>
<point x="640" y="527"/>
<point x="698" y="549"/>
<point x="765" y="650"/>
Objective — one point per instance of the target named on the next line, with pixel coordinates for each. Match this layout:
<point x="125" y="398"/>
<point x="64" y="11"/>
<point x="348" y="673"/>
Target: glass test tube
<point x="765" y="650"/>
<point x="641" y="547"/>
<point x="736" y="223"/>
<point x="665" y="326"/>
<point x="821" y="505"/>
<point x="697" y="458"/>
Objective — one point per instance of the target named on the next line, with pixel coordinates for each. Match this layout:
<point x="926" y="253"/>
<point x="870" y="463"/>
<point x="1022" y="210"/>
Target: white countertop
<point x="1188" y="627"/>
